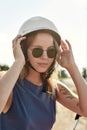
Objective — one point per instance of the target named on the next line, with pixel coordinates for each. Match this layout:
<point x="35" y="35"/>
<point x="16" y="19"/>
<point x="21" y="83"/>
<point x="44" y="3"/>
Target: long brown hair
<point x="25" y="45"/>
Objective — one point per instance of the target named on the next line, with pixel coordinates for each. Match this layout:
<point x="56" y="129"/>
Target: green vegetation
<point x="84" y="73"/>
<point x="4" y="67"/>
<point x="62" y="74"/>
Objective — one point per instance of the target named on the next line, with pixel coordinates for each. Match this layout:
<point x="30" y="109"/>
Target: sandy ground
<point x="65" y="119"/>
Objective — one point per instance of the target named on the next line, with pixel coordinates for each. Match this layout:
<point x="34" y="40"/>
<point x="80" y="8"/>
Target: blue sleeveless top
<point x="31" y="109"/>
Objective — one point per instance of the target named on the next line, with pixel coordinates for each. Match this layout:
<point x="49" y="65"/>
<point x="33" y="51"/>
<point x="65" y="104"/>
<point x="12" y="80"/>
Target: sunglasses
<point x="38" y="52"/>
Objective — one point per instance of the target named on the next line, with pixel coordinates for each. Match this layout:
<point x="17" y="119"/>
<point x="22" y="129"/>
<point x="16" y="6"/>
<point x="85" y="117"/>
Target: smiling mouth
<point x="43" y="64"/>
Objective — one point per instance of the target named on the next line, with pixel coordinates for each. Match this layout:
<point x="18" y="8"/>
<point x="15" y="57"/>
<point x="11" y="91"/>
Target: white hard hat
<point x="38" y="23"/>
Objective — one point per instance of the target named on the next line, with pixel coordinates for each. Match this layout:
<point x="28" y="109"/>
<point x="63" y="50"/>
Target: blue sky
<point x="70" y="17"/>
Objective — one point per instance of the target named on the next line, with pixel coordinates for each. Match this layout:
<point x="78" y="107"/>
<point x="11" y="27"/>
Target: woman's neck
<point x="34" y="77"/>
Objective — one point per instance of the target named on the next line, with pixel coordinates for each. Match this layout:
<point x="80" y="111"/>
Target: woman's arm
<point x="8" y="81"/>
<point x="66" y="60"/>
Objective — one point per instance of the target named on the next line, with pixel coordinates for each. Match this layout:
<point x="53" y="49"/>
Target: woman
<point x="28" y="91"/>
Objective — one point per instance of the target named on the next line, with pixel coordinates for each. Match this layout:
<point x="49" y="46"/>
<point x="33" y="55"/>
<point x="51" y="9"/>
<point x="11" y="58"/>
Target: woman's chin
<point x="42" y="70"/>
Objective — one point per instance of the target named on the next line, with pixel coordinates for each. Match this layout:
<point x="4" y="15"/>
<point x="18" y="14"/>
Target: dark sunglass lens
<point x="51" y="52"/>
<point x="37" y="52"/>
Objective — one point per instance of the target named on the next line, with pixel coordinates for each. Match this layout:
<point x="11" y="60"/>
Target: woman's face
<point x="44" y="41"/>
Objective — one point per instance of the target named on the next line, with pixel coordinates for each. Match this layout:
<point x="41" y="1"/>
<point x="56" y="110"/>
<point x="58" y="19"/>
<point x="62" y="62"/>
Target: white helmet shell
<point x="38" y="23"/>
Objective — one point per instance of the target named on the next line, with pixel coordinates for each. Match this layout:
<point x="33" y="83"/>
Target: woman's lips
<point x="43" y="64"/>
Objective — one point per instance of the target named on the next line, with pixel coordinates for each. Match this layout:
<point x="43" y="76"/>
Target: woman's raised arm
<point x="8" y="81"/>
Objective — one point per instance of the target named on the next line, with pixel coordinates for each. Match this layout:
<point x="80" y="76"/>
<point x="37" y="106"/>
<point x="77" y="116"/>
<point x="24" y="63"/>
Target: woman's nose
<point x="44" y="55"/>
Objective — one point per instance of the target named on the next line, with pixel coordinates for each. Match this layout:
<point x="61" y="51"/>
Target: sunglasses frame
<point x="41" y="51"/>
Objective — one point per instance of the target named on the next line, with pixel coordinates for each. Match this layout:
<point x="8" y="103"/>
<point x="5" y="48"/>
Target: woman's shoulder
<point x="18" y="86"/>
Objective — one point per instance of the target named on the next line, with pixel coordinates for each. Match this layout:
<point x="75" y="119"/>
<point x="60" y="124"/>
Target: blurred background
<point x="70" y="17"/>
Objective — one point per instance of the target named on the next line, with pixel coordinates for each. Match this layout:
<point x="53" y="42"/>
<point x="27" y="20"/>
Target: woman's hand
<point x="17" y="51"/>
<point x="65" y="57"/>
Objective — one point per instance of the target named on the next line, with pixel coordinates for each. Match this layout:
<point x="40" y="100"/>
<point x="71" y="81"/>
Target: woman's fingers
<point x="17" y="51"/>
<point x="65" y="45"/>
<point x="17" y="40"/>
<point x="68" y="43"/>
